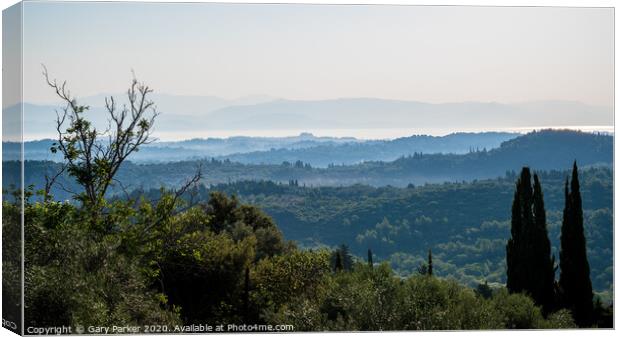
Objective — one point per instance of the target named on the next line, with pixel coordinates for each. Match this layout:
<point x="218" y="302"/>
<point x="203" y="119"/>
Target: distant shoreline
<point x="360" y="134"/>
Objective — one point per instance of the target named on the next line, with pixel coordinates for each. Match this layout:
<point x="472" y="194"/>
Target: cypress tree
<point x="342" y="253"/>
<point x="528" y="250"/>
<point x="338" y="265"/>
<point x="517" y="252"/>
<point x="543" y="289"/>
<point x="345" y="255"/>
<point x="575" y="283"/>
<point x="513" y="282"/>
<point x="370" y="263"/>
<point x="430" y="263"/>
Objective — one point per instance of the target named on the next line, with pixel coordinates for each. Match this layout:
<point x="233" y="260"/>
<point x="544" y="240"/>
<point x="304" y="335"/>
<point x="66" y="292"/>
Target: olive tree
<point x="92" y="156"/>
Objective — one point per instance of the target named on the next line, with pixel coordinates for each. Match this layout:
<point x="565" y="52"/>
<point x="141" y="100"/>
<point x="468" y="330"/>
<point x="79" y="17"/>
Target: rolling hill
<point x="318" y="151"/>
<point x="544" y="150"/>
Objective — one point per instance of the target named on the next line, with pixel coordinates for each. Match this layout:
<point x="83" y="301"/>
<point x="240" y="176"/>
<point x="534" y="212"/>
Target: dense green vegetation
<point x="155" y="264"/>
<point x="465" y="224"/>
<point x="11" y="265"/>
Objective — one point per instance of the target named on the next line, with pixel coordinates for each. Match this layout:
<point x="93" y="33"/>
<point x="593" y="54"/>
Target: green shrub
<point x="516" y="311"/>
<point x="561" y="319"/>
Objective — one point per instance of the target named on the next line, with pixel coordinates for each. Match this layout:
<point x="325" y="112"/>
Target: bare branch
<point x="124" y="189"/>
<point x="173" y="205"/>
<point x="189" y="183"/>
<point x="51" y="180"/>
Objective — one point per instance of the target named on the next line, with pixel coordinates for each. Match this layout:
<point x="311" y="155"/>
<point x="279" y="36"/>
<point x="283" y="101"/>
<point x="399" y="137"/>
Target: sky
<point x="423" y="53"/>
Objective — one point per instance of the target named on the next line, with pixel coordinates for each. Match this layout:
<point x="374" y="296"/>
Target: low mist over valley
<point x="398" y="196"/>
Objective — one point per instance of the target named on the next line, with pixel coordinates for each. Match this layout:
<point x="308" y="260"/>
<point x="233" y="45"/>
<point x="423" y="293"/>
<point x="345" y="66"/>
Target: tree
<point x="430" y="263"/>
<point x="204" y="274"/>
<point x="484" y="290"/>
<point x="93" y="157"/>
<point x="224" y="211"/>
<point x="530" y="266"/>
<point x="343" y="253"/>
<point x="514" y="248"/>
<point x="543" y="263"/>
<point x="423" y="269"/>
<point x="370" y="263"/>
<point x="575" y="283"/>
<point x="338" y="264"/>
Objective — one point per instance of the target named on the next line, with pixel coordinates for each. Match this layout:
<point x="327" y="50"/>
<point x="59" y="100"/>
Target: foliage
<point x="466" y="224"/>
<point x="430" y="262"/>
<point x="517" y="311"/>
<point x="88" y="159"/>
<point x="76" y="276"/>
<point x="484" y="290"/>
<point x="341" y="258"/>
<point x="530" y="266"/>
<point x="204" y="273"/>
<point x="575" y="283"/>
<point x="373" y="299"/>
<point x="11" y="263"/>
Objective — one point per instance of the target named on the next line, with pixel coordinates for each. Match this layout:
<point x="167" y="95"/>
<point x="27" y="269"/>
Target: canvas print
<point x="223" y="167"/>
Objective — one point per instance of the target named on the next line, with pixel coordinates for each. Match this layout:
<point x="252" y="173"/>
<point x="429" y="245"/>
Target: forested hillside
<point x="465" y="224"/>
<point x="166" y="151"/>
<point x="545" y="150"/>
<point x="167" y="269"/>
<point x="376" y="150"/>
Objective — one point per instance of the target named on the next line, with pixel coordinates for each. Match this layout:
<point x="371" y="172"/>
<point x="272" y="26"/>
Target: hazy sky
<point x="432" y="54"/>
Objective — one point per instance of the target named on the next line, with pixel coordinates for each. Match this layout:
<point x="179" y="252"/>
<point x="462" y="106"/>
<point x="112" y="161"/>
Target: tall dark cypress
<point x="528" y="250"/>
<point x="542" y="282"/>
<point x="430" y="263"/>
<point x="370" y="258"/>
<point x="513" y="281"/>
<point x="517" y="252"/>
<point x="575" y="283"/>
<point x="347" y="259"/>
<point x="338" y="266"/>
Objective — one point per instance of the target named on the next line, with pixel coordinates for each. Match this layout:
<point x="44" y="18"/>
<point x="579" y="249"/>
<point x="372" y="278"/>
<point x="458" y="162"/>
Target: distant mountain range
<point x="188" y="149"/>
<point x="206" y="114"/>
<point x="317" y="151"/>
<point x="323" y="155"/>
<point x="381" y="113"/>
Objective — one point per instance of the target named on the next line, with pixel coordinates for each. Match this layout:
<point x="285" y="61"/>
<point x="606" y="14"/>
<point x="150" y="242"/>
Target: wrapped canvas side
<point x="12" y="170"/>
